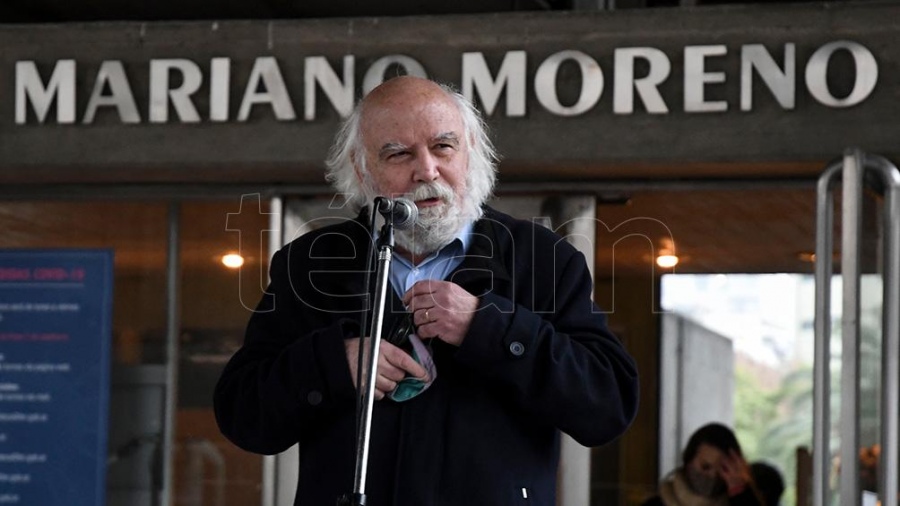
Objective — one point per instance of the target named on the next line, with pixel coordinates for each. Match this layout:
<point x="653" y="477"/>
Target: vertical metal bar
<point x="822" y="354"/>
<point x="173" y="325"/>
<point x="374" y="343"/>
<point x="890" y="356"/>
<point x="851" y="205"/>
<point x="680" y="437"/>
<point x="854" y="164"/>
<point x="270" y="467"/>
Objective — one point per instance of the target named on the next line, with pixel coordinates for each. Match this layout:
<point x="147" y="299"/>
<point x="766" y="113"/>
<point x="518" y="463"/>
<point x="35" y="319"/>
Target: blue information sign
<point x="55" y="318"/>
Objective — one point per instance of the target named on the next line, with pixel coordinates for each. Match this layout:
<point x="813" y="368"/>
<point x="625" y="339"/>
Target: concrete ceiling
<point x="56" y="11"/>
<point x="713" y="231"/>
<point x="62" y="11"/>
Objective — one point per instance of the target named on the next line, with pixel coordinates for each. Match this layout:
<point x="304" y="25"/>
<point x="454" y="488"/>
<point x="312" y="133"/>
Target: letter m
<point x="477" y="77"/>
<point x="30" y="88"/>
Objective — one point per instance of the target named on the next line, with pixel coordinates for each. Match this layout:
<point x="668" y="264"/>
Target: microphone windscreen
<point x="405" y="213"/>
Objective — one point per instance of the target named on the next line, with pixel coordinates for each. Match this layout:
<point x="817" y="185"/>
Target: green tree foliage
<point x="773" y="425"/>
<point x="754" y="410"/>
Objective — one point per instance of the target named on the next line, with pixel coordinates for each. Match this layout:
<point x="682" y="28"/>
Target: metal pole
<point x="851" y="205"/>
<point x="383" y="264"/>
<point x="173" y="325"/>
<point x="269" y="488"/>
<point x="854" y="166"/>
<point x="381" y="283"/>
<point x="890" y="363"/>
<point x="822" y="355"/>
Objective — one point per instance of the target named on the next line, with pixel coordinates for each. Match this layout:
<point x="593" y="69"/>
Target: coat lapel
<point x="483" y="264"/>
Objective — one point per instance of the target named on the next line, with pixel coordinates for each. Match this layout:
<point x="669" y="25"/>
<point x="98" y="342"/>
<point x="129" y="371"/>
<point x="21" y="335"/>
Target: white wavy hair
<point x="348" y="149"/>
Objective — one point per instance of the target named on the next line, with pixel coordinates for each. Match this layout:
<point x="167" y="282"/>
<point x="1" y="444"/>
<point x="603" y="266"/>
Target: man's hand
<point x="441" y="309"/>
<point x="393" y="365"/>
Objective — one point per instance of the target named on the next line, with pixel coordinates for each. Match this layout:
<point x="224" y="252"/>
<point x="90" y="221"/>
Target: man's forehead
<point x="431" y="122"/>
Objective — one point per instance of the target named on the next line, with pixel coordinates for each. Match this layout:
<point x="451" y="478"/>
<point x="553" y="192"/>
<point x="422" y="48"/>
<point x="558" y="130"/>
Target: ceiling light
<point x="232" y="260"/>
<point x="666" y="261"/>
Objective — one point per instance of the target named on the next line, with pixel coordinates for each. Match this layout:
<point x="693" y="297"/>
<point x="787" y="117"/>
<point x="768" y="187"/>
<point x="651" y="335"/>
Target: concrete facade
<point x="645" y="93"/>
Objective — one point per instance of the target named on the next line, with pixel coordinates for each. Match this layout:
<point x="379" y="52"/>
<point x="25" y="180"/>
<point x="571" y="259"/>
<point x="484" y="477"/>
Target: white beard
<point x="436" y="226"/>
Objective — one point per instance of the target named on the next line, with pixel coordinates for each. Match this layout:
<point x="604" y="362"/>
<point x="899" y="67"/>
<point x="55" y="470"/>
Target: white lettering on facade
<point x="780" y="83"/>
<point x="112" y="75"/>
<point x="30" y="88"/>
<point x="696" y="78"/>
<point x="476" y="79"/>
<point x="219" y="88"/>
<point x="591" y="83"/>
<point x="266" y="72"/>
<point x="339" y="91"/>
<point x="866" y="74"/>
<point x="639" y="74"/>
<point x="624" y="82"/>
<point x="161" y="93"/>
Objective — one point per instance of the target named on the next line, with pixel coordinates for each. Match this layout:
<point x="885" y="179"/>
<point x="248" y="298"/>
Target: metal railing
<point x="854" y="167"/>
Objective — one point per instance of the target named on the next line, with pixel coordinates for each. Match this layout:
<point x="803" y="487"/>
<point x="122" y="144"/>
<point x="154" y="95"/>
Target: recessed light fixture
<point x="809" y="256"/>
<point x="666" y="260"/>
<point x="232" y="260"/>
<point x="666" y="257"/>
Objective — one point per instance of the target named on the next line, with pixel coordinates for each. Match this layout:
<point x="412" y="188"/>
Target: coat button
<point x="314" y="398"/>
<point x="517" y="348"/>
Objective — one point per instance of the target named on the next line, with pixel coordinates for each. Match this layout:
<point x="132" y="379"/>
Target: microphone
<point x="400" y="212"/>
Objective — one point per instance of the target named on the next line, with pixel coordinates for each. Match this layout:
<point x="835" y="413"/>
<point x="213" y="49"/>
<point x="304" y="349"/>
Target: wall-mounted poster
<point x="55" y="319"/>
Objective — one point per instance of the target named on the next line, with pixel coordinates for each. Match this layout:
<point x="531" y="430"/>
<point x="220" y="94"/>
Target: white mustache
<point x="432" y="190"/>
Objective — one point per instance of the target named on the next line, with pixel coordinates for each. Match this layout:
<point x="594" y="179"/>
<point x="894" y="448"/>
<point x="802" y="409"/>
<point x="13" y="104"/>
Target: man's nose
<point x="427" y="168"/>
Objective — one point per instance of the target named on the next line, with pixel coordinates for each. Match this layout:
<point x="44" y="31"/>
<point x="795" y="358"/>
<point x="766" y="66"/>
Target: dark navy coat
<point x="538" y="359"/>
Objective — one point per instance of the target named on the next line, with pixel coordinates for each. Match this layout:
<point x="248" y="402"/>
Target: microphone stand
<point x="384" y="247"/>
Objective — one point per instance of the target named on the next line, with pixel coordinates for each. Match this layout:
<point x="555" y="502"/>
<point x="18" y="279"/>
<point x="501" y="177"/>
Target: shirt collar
<point x="463" y="239"/>
<point x="465" y="235"/>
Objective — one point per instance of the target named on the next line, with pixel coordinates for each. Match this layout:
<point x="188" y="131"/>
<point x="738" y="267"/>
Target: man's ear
<point x="354" y="161"/>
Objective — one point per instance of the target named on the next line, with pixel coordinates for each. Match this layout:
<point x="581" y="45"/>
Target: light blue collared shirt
<point x="438" y="265"/>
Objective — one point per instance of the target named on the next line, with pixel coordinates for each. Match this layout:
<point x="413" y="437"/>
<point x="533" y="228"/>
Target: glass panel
<point x="722" y="235"/>
<point x="767" y="322"/>
<point x="216" y="303"/>
<point x="762" y="327"/>
<point x="136" y="232"/>
<point x="870" y="338"/>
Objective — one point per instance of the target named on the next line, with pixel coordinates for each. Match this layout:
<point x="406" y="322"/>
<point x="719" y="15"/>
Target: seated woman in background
<point x="713" y="472"/>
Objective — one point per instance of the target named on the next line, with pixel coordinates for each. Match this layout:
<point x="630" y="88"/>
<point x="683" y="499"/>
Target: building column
<point x="575" y="219"/>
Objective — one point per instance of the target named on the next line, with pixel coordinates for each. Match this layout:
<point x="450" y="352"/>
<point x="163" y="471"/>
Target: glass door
<point x="137" y="233"/>
<point x="856" y="417"/>
<point x="156" y="455"/>
<point x="711" y="289"/>
<point x="224" y="257"/>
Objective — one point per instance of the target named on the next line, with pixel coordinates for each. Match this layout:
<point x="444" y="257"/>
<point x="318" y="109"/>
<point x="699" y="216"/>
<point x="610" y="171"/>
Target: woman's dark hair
<point x="713" y="434"/>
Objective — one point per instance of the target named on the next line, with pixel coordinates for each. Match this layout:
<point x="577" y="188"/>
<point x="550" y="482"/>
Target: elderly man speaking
<point x="507" y="349"/>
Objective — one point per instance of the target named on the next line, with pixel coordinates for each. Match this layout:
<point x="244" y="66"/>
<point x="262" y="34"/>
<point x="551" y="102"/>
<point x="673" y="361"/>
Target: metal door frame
<point x="854" y="166"/>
